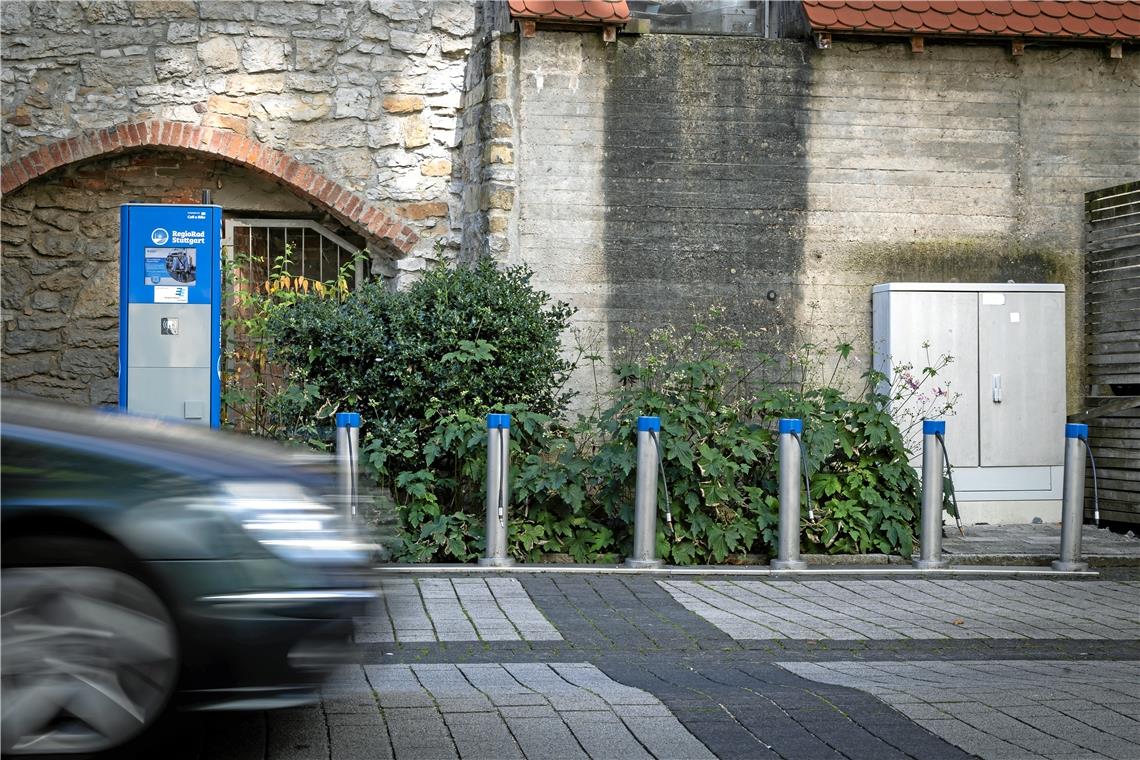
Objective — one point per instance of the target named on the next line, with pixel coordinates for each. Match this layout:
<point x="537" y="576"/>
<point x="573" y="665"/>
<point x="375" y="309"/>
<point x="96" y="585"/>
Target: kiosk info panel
<point x="170" y="293"/>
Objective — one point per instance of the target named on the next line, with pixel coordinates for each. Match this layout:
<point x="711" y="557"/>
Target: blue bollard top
<point x="934" y="427"/>
<point x="1077" y="430"/>
<point x="348" y="419"/>
<point x="791" y="425"/>
<point x="498" y="422"/>
<point x="648" y="423"/>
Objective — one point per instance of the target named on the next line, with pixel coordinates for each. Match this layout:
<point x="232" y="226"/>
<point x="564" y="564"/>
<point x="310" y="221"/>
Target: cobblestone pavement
<point x="553" y="666"/>
<point x="459" y="609"/>
<point x="915" y="609"/>
<point x="1007" y="708"/>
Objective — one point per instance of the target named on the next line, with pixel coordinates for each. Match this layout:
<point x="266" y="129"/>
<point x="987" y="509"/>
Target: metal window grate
<point x="317" y="253"/>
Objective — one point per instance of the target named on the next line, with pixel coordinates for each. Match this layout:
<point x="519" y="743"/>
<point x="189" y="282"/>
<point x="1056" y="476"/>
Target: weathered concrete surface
<point x="963" y="164"/>
<point x="664" y="173"/>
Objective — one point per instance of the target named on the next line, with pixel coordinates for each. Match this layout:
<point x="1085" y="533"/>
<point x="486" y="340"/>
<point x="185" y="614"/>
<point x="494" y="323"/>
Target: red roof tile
<point x="1076" y="19"/>
<point x="572" y="11"/>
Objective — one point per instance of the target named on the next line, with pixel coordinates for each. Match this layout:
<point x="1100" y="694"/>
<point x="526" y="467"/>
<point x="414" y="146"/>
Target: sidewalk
<point x="1036" y="545"/>
<point x="589" y="665"/>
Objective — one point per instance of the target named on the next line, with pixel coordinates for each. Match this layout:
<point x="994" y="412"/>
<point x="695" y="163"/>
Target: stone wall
<point x="367" y="94"/>
<point x="60" y="290"/>
<point x="486" y="173"/>
<point x="664" y="173"/>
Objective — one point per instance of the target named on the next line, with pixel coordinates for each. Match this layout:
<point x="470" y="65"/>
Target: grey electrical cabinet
<point x="1005" y="437"/>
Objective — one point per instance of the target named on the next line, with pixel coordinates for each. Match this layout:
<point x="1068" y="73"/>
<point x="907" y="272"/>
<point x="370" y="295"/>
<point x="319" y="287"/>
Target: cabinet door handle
<point x="995" y="386"/>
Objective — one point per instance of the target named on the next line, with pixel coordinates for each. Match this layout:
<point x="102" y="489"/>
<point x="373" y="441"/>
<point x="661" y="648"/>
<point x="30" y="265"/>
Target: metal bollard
<point x="1073" y="499"/>
<point x="645" y="496"/>
<point x="347" y="453"/>
<point x="498" y="485"/>
<point x="930" y="535"/>
<point x="788" y="555"/>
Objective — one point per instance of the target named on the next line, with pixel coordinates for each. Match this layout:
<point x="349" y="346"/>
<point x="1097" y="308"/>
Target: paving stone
<point x="990" y="711"/>
<point x="646" y="668"/>
<point x="545" y="738"/>
<point x="483" y="735"/>
<point x="359" y="741"/>
<point x="459" y="609"/>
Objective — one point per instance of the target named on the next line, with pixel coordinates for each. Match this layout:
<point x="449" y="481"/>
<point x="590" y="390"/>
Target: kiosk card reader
<point x="170" y="294"/>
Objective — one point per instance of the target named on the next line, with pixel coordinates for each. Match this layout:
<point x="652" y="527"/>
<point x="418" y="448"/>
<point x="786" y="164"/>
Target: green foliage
<point x="251" y="386"/>
<point x="424" y="367"/>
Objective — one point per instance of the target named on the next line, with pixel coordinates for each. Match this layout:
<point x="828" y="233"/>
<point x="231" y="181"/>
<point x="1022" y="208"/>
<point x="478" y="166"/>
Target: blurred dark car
<point x="148" y="564"/>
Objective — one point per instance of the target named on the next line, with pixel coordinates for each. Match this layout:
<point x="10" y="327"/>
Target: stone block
<point x="403" y="103"/>
<point x="498" y="222"/>
<point x="166" y="9"/>
<point x="109" y="12"/>
<point x="228" y="10"/>
<point x="448" y="102"/>
<point x="26" y="365"/>
<point x="27" y="341"/>
<point x="443" y="123"/>
<point x="439" y="167"/>
<point x="376" y="29"/>
<point x="287" y="13"/>
<point x="497" y="196"/>
<point x="498" y="154"/>
<point x="456" y="18"/>
<point x="104" y="391"/>
<point x="174" y="62"/>
<point x="502" y="120"/>
<point x="397" y="10"/>
<point x="415" y="133"/>
<point x="383" y="134"/>
<point x="419" y="211"/>
<point x="223" y="121"/>
<point x="296" y="108"/>
<point x="220" y="104"/>
<point x="182" y="31"/>
<point x="314" y="55"/>
<point x="454" y="46"/>
<point x="219" y="54"/>
<point x="98" y="297"/>
<point x="260" y="54"/>
<point x="88" y="361"/>
<point x="44" y="300"/>
<point x="352" y="102"/>
<point x="103" y="73"/>
<point x="409" y="42"/>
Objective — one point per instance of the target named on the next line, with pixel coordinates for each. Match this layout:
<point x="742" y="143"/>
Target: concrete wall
<point x="963" y="164"/>
<point x="661" y="174"/>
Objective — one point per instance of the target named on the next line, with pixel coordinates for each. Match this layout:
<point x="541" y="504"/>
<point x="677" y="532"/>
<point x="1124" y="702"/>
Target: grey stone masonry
<point x="915" y="609"/>
<point x="1007" y="708"/>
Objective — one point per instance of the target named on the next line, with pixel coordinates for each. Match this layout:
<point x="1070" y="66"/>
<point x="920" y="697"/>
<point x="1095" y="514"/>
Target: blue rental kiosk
<point x="170" y="297"/>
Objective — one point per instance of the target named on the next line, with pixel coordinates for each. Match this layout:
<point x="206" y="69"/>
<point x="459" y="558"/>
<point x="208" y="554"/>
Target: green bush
<point x="425" y="366"/>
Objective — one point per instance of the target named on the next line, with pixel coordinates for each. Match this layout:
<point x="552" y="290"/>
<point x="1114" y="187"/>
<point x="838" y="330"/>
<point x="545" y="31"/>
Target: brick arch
<point x="301" y="178"/>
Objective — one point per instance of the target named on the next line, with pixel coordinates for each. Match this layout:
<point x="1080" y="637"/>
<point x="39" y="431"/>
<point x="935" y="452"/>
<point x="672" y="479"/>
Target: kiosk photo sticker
<point x="171" y="266"/>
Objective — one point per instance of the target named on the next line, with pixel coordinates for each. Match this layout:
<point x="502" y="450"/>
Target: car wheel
<point x="90" y="652"/>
